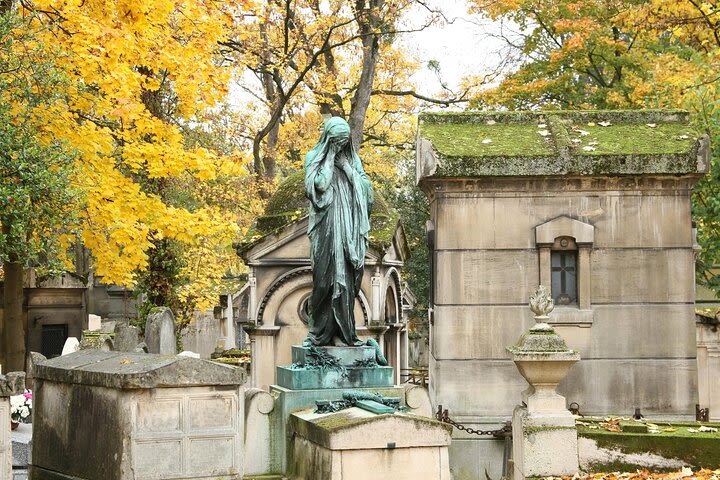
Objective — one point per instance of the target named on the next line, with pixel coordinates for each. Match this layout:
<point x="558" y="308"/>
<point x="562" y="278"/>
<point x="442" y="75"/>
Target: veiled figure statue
<point x="341" y="198"/>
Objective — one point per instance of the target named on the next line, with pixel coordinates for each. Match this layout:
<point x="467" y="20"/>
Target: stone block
<point x="346" y="356"/>
<point x="346" y="377"/>
<point x="94" y="322"/>
<point x="658" y="386"/>
<point x="127" y="337"/>
<point x="160" y="332"/>
<point x="288" y="401"/>
<point x="191" y="432"/>
<point x="544" y="445"/>
<point x="467" y="277"/>
<point x="124" y="370"/>
<point x="341" y="445"/>
<point x="643" y="276"/>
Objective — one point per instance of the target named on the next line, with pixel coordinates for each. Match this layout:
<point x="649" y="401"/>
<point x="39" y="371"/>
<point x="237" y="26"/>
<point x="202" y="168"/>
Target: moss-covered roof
<point x="612" y="142"/>
<point x="289" y="205"/>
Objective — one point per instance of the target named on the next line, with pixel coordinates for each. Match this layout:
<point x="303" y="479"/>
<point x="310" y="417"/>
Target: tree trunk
<point x="5" y="6"/>
<point x="12" y="341"/>
<point x="368" y="21"/>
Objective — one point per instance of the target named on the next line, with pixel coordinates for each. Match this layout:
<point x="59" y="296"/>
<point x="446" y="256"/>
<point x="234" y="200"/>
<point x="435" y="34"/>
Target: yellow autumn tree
<point x="139" y="74"/>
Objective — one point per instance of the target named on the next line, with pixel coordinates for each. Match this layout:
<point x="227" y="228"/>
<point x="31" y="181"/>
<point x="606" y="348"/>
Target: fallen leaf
<point x="542" y="125"/>
<point x="651" y="125"/>
<point x="544" y="133"/>
<point x="591" y="124"/>
<point x="707" y="429"/>
<point x="670" y="430"/>
<point x="125" y="361"/>
<point x="583" y="132"/>
<point x="589" y="148"/>
<point x="576" y="140"/>
<point x="491" y="122"/>
<point x="684" y="137"/>
<point x="604" y="124"/>
<point x="487" y="140"/>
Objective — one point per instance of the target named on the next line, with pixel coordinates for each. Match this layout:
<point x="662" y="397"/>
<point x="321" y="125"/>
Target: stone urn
<point x="543" y="358"/>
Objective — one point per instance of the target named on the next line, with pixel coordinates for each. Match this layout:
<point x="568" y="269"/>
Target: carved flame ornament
<point x="541" y="304"/>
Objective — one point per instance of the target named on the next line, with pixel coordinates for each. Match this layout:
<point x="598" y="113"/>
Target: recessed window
<point x="563" y="267"/>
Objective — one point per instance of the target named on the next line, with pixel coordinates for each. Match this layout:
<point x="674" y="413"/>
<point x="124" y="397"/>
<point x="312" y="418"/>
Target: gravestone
<point x="160" y="332"/>
<point x="72" y="344"/>
<point x="127" y="337"/>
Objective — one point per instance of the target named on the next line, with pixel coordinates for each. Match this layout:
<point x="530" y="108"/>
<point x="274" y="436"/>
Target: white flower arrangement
<point x="21" y="407"/>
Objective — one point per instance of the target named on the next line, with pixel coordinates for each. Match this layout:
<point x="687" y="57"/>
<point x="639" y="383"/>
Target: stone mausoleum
<point x="593" y="205"/>
<point x="274" y="302"/>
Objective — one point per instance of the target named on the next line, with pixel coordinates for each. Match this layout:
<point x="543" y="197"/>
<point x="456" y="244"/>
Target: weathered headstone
<point x="160" y="332"/>
<point x="127" y="338"/>
<point x="72" y="344"/>
<point x="94" y="322"/>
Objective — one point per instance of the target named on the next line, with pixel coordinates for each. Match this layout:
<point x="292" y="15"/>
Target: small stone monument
<point x="160" y="332"/>
<point x="544" y="432"/>
<point x="11" y="384"/>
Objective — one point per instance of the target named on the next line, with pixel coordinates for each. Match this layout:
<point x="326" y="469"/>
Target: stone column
<point x="11" y="384"/>
<point x="544" y="432"/>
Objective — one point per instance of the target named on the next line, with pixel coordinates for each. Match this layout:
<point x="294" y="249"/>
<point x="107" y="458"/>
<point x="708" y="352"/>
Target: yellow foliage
<point x="117" y="55"/>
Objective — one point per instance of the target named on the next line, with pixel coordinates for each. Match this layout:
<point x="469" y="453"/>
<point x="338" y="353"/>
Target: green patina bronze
<point x="341" y="197"/>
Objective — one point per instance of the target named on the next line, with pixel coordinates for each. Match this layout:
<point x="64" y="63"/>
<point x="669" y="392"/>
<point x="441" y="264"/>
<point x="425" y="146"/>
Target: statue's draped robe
<point x="340" y="202"/>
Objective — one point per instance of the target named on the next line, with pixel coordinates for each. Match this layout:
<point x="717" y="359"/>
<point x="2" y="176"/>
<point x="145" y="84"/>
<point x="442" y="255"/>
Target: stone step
<point x="346" y="377"/>
<point x="346" y="356"/>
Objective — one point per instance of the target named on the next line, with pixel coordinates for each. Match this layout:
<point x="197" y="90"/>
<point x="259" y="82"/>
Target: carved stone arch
<point x="302" y="276"/>
<point x="391" y="282"/>
<point x="280" y="281"/>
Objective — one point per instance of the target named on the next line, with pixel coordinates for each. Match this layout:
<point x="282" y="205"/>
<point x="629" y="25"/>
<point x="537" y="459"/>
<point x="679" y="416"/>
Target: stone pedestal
<point x="333" y="367"/>
<point x="544" y="434"/>
<point x="11" y="384"/>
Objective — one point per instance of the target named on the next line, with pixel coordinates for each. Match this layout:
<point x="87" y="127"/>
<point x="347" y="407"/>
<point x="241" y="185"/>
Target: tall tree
<point x="37" y="197"/>
<point x="142" y="72"/>
<point x="620" y="54"/>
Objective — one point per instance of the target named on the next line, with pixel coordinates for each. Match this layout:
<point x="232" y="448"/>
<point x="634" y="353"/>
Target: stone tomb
<point x="595" y="205"/>
<point x="129" y="416"/>
<point x="351" y="443"/>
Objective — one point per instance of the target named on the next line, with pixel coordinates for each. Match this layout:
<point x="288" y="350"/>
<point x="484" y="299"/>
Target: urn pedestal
<point x="544" y="432"/>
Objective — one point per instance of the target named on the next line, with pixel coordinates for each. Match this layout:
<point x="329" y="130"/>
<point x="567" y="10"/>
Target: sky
<point x="462" y="45"/>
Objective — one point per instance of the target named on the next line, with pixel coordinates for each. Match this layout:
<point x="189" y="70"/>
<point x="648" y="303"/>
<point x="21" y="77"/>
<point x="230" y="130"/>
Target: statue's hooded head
<point x="336" y="130"/>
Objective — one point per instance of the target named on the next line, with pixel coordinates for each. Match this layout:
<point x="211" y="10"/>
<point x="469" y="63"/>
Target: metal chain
<point x="442" y="415"/>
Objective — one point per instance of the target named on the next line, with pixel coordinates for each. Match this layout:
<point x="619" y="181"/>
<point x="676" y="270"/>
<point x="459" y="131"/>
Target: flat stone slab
<point x="346" y="356"/>
<point x="127" y="370"/>
<point x="355" y="428"/>
<point x="374" y="407"/>
<point x="322" y="378"/>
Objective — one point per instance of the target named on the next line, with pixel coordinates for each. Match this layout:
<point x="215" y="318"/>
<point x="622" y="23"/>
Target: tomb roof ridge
<point x="560" y="142"/>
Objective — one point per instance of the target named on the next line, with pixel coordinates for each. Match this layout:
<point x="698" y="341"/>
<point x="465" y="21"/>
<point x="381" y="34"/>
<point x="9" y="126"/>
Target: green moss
<point x="532" y="430"/>
<point x="699" y="450"/>
<point x="638" y="139"/>
<point x="567" y="143"/>
<point x="471" y="140"/>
